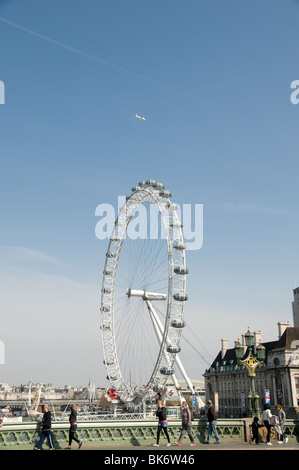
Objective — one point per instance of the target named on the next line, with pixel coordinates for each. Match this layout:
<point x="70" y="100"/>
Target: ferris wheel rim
<point x="162" y="202"/>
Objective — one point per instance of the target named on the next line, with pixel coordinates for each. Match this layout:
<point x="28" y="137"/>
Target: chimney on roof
<point x="224" y="347"/>
<point x="257" y="338"/>
<point x="282" y="326"/>
<point x="295" y="307"/>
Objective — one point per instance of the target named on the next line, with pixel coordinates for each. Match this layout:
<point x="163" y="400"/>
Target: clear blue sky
<point x="213" y="80"/>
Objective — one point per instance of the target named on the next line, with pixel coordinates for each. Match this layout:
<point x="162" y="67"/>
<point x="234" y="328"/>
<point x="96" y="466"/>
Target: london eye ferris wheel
<point x="143" y="295"/>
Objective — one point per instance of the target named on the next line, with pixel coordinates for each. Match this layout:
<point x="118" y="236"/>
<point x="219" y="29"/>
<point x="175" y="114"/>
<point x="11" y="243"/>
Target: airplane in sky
<point x="141" y="118"/>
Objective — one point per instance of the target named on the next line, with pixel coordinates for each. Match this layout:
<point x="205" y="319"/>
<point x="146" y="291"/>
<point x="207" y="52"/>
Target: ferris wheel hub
<point x="145" y="295"/>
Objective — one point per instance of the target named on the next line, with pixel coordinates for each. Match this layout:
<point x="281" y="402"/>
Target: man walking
<point x="45" y="430"/>
<point x="212" y="419"/>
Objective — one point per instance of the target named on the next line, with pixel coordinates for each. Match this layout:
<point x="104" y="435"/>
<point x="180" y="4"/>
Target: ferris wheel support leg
<point x="177" y="359"/>
<point x="158" y="331"/>
<point x="113" y="408"/>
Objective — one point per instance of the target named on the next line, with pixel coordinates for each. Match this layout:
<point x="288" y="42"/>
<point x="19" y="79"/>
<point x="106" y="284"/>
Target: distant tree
<point x="104" y="403"/>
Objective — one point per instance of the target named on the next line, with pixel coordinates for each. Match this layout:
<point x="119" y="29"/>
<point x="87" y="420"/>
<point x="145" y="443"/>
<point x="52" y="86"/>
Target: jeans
<point x="186" y="428"/>
<point x="213" y="429"/>
<point x="283" y="435"/>
<point x="45" y="434"/>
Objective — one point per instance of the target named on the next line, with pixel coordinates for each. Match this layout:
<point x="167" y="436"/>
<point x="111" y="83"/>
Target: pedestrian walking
<point x="73" y="428"/>
<point x="162" y="423"/>
<point x="255" y="430"/>
<point x="267" y="415"/>
<point x="281" y="422"/>
<point x="212" y="420"/>
<point x="45" y="429"/>
<point x="186" y="424"/>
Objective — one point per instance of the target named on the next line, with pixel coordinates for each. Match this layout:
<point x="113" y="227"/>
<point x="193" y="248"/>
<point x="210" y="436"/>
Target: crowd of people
<point x="186" y="425"/>
<point x="46" y="431"/>
<point x="271" y="422"/>
<point x="268" y="420"/>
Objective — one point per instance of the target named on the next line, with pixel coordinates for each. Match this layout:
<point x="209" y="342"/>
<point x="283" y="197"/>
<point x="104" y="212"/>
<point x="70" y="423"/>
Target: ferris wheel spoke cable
<point x="143" y="268"/>
<point x="147" y="266"/>
<point x="129" y="337"/>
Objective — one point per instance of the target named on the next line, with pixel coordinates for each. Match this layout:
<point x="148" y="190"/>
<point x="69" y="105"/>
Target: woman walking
<point x="267" y="415"/>
<point x="186" y="425"/>
<point x="162" y="424"/>
<point x="73" y="427"/>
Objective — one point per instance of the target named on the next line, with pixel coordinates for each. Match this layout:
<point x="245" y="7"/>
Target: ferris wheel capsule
<point x="178" y="324"/>
<point x="171" y="206"/>
<point x="108" y="272"/>
<point x="150" y="182"/>
<point x="167" y="371"/>
<point x="173" y="349"/>
<point x="106" y="308"/>
<point x="181" y="270"/>
<point x="158" y="186"/>
<point x="165" y="193"/>
<point x="180" y="297"/>
<point x="106" y="290"/>
<point x="176" y="224"/>
<point x="179" y="245"/>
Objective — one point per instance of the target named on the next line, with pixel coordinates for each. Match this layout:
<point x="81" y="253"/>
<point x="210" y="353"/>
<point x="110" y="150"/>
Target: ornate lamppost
<point x="252" y="360"/>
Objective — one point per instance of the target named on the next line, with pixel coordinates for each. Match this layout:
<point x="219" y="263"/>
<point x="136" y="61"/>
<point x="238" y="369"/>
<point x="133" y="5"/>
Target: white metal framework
<point x="144" y="286"/>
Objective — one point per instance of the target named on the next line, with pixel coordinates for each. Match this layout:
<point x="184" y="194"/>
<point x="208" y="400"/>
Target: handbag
<point x="273" y="420"/>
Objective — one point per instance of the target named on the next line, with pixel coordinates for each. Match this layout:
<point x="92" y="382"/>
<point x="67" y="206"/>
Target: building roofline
<point x="290" y="334"/>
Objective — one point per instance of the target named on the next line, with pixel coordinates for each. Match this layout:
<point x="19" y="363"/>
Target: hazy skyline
<point x="214" y="82"/>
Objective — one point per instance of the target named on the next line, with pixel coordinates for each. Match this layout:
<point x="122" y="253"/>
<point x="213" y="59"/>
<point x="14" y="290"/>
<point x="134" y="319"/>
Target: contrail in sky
<point x="36" y="188"/>
<point x="121" y="69"/>
<point x="101" y="61"/>
<point x="69" y="48"/>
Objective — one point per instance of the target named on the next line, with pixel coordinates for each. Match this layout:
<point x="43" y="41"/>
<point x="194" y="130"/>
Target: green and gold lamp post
<point x="251" y="362"/>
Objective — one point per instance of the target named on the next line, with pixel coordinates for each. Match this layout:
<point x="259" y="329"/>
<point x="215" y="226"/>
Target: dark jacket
<point x="211" y="414"/>
<point x="73" y="420"/>
<point x="161" y="413"/>
<point x="255" y="426"/>
<point x="46" y="422"/>
<point x="73" y="416"/>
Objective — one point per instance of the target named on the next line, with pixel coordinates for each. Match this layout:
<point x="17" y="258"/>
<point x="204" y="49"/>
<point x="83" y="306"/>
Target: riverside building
<point x="228" y="384"/>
